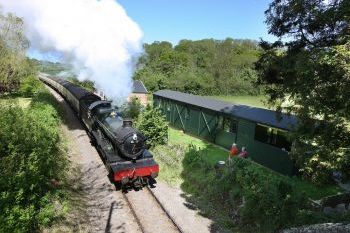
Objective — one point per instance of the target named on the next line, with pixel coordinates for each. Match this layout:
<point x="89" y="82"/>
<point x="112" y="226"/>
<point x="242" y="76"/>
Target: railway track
<point x="150" y="213"/>
<point x="147" y="210"/>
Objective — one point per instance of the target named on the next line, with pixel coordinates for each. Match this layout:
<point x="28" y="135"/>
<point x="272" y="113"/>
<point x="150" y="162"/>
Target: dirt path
<point x="103" y="209"/>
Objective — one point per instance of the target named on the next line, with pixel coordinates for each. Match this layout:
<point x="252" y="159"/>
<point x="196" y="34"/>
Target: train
<point x="123" y="148"/>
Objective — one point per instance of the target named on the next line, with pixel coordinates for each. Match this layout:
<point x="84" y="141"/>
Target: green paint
<point x="203" y="123"/>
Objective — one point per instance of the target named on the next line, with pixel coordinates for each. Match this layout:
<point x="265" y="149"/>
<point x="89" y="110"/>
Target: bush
<point x="31" y="156"/>
<point x="270" y="199"/>
<point x="132" y="108"/>
<point x="153" y="125"/>
<point x="246" y="195"/>
<point x="30" y="86"/>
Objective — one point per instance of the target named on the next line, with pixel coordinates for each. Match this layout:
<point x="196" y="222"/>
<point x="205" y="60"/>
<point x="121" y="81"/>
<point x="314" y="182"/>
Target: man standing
<point x="233" y="152"/>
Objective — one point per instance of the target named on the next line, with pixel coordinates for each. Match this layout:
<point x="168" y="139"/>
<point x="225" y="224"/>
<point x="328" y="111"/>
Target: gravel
<point x="105" y="210"/>
<point x="184" y="214"/>
<point x="321" y="228"/>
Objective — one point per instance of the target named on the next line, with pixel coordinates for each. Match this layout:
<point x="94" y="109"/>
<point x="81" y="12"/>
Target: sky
<point x="173" y="20"/>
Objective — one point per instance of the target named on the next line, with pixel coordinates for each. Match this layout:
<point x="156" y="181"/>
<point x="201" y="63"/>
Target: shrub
<point x="30" y="86"/>
<point x="270" y="199"/>
<point x="153" y="125"/>
<point x="30" y="156"/>
<point x="252" y="196"/>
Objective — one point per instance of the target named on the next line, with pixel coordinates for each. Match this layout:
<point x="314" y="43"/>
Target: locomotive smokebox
<point x="127" y="122"/>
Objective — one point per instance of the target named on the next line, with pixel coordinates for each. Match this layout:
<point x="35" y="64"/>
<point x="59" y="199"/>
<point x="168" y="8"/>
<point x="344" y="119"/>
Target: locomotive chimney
<point x="127" y="122"/>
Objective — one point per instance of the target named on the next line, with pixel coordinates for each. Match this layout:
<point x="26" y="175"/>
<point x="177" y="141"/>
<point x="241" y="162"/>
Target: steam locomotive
<point x="122" y="147"/>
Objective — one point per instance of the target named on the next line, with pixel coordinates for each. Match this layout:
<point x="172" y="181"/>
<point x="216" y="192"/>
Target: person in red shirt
<point x="233" y="152"/>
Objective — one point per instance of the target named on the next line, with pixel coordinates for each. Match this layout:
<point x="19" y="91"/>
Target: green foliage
<point x="132" y="108"/>
<point x="312" y="73"/>
<point x="247" y="195"/>
<point x="152" y="123"/>
<point x="31" y="155"/>
<point x="30" y="86"/>
<point x="258" y="198"/>
<point x="13" y="45"/>
<point x="271" y="201"/>
<point x="52" y="68"/>
<point x="204" y="67"/>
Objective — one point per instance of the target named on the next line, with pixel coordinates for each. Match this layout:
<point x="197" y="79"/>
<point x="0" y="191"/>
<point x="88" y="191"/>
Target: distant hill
<point x="53" y="68"/>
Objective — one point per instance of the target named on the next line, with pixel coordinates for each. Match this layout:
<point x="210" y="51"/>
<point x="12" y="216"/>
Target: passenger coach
<point x="261" y="131"/>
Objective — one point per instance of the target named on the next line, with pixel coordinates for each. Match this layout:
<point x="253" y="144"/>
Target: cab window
<point x="272" y="136"/>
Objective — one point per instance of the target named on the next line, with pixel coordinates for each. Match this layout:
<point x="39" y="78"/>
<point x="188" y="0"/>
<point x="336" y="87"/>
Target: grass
<point x="22" y="102"/>
<point x="170" y="157"/>
<point x="255" y="101"/>
<point x="213" y="153"/>
<point x="312" y="191"/>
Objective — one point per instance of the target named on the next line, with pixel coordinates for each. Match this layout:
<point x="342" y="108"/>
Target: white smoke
<point x="95" y="36"/>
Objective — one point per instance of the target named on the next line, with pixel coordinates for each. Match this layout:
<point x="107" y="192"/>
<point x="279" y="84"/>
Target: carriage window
<point x="272" y="136"/>
<point x="283" y="140"/>
<point x="229" y="125"/>
<point x="261" y="133"/>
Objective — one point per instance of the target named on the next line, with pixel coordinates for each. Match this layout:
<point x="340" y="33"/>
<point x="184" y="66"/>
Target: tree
<point x="309" y="76"/>
<point x="152" y="123"/>
<point x="13" y="45"/>
<point x="204" y="67"/>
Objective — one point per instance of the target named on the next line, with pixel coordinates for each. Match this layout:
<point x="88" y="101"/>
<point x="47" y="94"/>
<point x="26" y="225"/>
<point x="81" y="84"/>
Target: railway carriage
<point x="122" y="147"/>
<point x="263" y="132"/>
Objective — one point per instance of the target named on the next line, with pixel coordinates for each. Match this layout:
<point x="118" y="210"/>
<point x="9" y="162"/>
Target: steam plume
<point x="95" y="36"/>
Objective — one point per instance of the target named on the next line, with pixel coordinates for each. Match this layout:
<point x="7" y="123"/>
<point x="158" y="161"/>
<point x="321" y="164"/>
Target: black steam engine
<point x="123" y="148"/>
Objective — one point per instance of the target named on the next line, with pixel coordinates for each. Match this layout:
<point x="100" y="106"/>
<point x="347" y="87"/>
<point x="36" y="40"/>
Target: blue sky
<point x="173" y="20"/>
